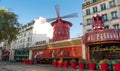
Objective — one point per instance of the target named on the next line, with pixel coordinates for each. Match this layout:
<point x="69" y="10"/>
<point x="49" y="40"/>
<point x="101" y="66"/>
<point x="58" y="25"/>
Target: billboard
<point x="66" y="52"/>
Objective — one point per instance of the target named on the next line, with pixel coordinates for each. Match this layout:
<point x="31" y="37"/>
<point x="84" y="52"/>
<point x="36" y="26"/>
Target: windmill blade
<point x="70" y="15"/>
<point x="57" y="8"/>
<point x="50" y="19"/>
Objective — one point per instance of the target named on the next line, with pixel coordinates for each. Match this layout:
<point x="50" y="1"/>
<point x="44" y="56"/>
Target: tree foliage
<point x="9" y="26"/>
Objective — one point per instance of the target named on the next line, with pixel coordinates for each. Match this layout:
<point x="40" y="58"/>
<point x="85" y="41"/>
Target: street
<point x="37" y="67"/>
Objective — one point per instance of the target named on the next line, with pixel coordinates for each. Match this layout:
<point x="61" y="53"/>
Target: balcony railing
<point x="105" y="36"/>
<point x="91" y="2"/>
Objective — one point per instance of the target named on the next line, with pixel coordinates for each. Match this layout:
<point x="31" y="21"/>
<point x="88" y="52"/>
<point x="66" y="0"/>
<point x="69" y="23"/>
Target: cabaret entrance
<point x="102" y="43"/>
<point x="105" y="50"/>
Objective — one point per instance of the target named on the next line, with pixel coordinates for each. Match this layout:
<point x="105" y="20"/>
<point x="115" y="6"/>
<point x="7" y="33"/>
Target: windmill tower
<point x="61" y="28"/>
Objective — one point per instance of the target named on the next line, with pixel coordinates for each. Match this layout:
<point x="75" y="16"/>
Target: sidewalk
<point x="37" y="67"/>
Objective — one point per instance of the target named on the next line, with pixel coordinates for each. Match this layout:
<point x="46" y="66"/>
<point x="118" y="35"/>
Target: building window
<point x="87" y="11"/>
<point x="28" y="39"/>
<point x="114" y="15"/>
<point x="94" y="1"/>
<point x="112" y="4"/>
<point x="116" y="26"/>
<point x="106" y="27"/>
<point x="89" y="30"/>
<point x="103" y="6"/>
<point x="88" y="3"/>
<point x="94" y="9"/>
<point x="105" y="17"/>
<point x="21" y="41"/>
<point x="88" y="21"/>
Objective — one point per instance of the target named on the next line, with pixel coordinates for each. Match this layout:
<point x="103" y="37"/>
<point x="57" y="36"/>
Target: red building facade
<point x="57" y="53"/>
<point x="102" y="43"/>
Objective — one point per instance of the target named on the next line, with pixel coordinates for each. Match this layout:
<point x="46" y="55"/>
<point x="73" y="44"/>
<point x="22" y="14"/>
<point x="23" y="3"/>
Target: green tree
<point x="9" y="26"/>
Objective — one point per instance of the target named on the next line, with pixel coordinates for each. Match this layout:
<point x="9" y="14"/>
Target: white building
<point x="110" y="9"/>
<point x="36" y="31"/>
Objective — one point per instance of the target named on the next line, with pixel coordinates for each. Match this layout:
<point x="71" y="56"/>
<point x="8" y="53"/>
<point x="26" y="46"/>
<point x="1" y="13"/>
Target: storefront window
<point x="109" y="51"/>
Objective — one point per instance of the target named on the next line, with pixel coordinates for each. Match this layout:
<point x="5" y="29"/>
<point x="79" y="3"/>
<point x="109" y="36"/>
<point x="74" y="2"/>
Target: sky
<point x="28" y="10"/>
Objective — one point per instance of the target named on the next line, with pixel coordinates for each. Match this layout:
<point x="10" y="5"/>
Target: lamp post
<point x="84" y="27"/>
<point x="85" y="49"/>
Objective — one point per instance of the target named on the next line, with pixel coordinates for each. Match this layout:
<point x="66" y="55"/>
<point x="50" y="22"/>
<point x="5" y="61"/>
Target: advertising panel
<point x="66" y="52"/>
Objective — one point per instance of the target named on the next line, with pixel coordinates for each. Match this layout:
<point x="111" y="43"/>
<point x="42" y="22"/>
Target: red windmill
<point x="61" y="27"/>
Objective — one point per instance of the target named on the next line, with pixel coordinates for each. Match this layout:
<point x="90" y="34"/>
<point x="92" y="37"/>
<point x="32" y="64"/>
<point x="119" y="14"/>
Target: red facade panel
<point x="102" y="36"/>
<point x="67" y="52"/>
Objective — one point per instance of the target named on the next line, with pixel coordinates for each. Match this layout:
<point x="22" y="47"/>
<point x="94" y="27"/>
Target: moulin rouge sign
<point x="105" y="35"/>
<point x="99" y="33"/>
<point x="68" y="52"/>
<point x="40" y="42"/>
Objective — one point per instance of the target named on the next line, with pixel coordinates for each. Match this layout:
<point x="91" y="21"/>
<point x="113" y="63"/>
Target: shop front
<point x="68" y="53"/>
<point x="5" y="55"/>
<point x="106" y="50"/>
<point x="65" y="49"/>
<point x="21" y="54"/>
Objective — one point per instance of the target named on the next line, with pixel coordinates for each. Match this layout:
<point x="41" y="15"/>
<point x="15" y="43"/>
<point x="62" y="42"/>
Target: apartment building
<point x="35" y="31"/>
<point x="110" y="9"/>
<point x="32" y="34"/>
